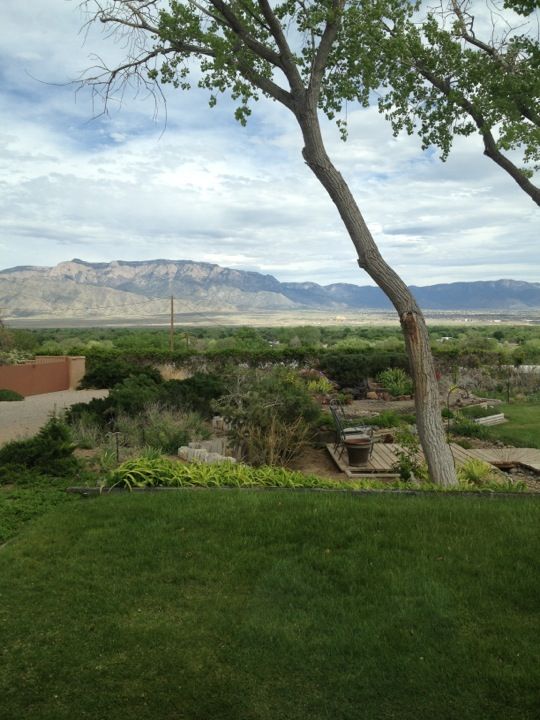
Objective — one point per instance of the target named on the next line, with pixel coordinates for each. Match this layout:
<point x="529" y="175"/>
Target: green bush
<point x="134" y="393"/>
<point x="386" y="419"/>
<point x="10" y="396"/>
<point x="271" y="414"/>
<point x="410" y="465"/>
<point x="50" y="451"/>
<point x="106" y="372"/>
<point x="348" y="369"/>
<point x="466" y="427"/>
<point x="195" y="393"/>
<point x="99" y="411"/>
<point x="396" y="381"/>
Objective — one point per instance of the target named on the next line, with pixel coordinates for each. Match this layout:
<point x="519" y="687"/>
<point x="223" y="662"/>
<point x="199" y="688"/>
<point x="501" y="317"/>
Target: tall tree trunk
<point x="426" y="393"/>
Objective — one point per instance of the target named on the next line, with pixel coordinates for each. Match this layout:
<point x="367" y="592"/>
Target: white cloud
<point x="124" y="187"/>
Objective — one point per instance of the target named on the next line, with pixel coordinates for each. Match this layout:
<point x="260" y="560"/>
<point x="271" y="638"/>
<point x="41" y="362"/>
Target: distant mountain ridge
<point x="77" y="288"/>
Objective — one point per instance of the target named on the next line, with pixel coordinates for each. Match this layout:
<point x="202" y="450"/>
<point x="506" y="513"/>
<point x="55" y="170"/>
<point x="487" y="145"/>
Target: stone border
<point x="91" y="491"/>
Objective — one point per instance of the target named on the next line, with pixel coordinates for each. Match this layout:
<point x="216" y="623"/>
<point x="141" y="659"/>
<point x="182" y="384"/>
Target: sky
<point x="191" y="183"/>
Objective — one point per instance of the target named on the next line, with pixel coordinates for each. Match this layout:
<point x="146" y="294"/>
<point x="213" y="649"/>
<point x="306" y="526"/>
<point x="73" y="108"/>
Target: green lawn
<point x="523" y="428"/>
<point x="272" y="605"/>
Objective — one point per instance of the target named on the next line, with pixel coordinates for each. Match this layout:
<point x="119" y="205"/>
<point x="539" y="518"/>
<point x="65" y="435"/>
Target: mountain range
<point x="79" y="289"/>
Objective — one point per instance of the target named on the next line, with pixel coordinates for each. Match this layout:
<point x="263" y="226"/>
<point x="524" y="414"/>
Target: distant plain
<point x="288" y="318"/>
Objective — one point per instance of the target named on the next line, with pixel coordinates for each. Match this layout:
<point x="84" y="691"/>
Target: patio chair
<point x="345" y="431"/>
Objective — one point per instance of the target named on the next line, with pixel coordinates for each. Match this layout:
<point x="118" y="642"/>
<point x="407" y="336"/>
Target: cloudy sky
<point x="75" y="183"/>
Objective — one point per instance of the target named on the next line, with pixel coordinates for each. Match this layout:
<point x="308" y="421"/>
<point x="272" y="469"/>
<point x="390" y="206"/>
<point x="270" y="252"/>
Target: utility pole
<point x="171" y="329"/>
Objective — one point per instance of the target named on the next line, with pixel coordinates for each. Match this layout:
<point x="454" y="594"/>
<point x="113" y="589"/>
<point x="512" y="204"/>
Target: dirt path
<point x="24" y="419"/>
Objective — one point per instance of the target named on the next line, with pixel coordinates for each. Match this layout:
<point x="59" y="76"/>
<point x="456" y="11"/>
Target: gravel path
<point x="24" y="419"/>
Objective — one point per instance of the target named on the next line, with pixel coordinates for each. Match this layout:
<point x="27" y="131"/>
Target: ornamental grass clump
<point x="477" y="474"/>
<point x="396" y="381"/>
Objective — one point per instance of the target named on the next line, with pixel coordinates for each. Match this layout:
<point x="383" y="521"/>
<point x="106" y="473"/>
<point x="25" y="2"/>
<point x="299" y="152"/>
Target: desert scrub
<point x="161" y="428"/>
<point x="271" y="414"/>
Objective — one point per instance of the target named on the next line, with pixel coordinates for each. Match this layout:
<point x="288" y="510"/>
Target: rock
<point x="371" y="395"/>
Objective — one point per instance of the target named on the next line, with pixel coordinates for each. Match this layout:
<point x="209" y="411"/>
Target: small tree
<point x="304" y="56"/>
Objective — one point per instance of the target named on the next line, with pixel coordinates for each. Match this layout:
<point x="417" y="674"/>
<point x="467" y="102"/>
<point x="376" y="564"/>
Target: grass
<point x="522" y="428"/>
<point x="19" y="505"/>
<point x="256" y="606"/>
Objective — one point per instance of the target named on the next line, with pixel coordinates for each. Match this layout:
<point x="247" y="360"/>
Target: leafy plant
<point x="396" y="381"/>
<point x="320" y="386"/>
<point x="410" y="465"/>
<point x="476" y="473"/>
<point x="466" y="427"/>
<point x="161" y="472"/>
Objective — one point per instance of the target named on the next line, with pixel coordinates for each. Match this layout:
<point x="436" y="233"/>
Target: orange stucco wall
<point x="45" y="374"/>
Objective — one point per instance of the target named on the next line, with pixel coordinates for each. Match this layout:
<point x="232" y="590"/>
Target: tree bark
<point x="426" y="393"/>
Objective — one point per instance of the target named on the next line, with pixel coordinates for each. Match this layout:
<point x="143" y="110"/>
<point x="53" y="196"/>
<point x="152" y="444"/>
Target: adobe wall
<point x="45" y="374"/>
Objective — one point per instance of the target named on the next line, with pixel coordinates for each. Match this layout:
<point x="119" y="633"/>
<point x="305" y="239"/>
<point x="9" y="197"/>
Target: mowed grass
<point x="523" y="426"/>
<point x="243" y="605"/>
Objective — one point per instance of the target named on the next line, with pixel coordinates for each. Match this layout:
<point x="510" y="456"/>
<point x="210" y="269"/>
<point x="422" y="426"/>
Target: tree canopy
<point x="436" y="73"/>
<point x="464" y="69"/>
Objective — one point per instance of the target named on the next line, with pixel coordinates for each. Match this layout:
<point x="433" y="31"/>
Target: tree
<point x="445" y="79"/>
<point x="304" y="56"/>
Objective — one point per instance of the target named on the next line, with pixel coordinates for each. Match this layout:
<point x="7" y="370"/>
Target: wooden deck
<point x="385" y="457"/>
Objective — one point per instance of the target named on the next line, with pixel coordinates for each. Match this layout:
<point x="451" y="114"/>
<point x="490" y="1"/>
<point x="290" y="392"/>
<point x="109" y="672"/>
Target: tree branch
<point x="290" y="68"/>
<point x="325" y="46"/>
<point x="237" y="27"/>
<point x="490" y="146"/>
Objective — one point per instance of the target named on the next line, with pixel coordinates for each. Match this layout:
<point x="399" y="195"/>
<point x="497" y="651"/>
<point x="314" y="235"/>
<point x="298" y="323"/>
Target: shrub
<point x="108" y="372"/>
<point x="195" y="393"/>
<point x="396" y="381"/>
<point x="271" y="414"/>
<point x="99" y="411"/>
<point x="462" y="425"/>
<point x="87" y="430"/>
<point x="160" y="428"/>
<point x="386" y="419"/>
<point x="10" y="396"/>
<point x="410" y="465"/>
<point x="134" y="393"/>
<point x="50" y="451"/>
<point x="351" y="368"/>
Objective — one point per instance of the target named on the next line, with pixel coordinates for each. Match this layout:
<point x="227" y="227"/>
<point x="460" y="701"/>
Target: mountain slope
<point x="140" y="288"/>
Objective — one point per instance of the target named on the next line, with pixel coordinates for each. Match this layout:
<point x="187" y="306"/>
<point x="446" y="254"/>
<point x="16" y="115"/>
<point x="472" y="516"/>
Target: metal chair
<point x="344" y="431"/>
